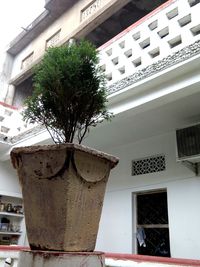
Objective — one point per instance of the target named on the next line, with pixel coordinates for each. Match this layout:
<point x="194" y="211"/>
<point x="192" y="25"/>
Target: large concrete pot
<point x="63" y="187"/>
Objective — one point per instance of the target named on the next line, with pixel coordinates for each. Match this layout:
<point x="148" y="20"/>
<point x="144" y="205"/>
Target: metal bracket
<point x="194" y="166"/>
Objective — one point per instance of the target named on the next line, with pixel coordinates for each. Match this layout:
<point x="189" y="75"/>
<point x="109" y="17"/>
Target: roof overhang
<point x="58" y="6"/>
<point x="54" y="8"/>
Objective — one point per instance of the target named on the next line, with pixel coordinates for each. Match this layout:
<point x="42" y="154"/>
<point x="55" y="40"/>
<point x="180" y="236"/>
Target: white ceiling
<point x="131" y="127"/>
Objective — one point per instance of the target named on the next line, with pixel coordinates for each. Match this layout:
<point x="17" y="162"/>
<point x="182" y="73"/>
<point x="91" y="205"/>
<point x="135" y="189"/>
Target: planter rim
<point x="71" y="146"/>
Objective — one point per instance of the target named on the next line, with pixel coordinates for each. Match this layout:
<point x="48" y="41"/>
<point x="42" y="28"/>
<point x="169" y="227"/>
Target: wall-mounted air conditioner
<point x="188" y="143"/>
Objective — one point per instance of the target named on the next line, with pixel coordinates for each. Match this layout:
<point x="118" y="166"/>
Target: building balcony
<point x="12" y="127"/>
<point x="147" y="61"/>
<point x="167" y="36"/>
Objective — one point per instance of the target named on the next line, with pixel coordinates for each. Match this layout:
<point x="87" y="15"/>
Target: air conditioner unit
<point x="188" y="143"/>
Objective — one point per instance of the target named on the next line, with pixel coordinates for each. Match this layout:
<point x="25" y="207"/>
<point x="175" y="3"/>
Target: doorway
<point x="151" y="224"/>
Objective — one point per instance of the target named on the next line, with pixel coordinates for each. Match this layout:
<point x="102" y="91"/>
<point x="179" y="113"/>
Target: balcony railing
<point x="11" y="122"/>
<point x="164" y="37"/>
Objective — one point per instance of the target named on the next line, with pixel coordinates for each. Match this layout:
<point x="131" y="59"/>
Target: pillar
<point x="61" y="259"/>
<point x="10" y="94"/>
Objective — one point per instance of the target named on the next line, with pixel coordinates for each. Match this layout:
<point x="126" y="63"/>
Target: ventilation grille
<point x="148" y="165"/>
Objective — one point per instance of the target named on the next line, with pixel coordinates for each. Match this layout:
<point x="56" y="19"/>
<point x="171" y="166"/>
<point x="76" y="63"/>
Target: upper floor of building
<point x="130" y="35"/>
<point x="147" y="50"/>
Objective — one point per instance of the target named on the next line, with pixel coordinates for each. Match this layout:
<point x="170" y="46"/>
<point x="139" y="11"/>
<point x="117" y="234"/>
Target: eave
<point x="54" y="9"/>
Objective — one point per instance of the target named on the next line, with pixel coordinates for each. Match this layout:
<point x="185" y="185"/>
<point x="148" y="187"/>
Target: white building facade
<point x="153" y="79"/>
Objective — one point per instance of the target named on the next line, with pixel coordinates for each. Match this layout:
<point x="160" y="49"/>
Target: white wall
<point x="116" y="231"/>
<point x="9" y="184"/>
<point x="6" y="62"/>
<point x="9" y="254"/>
<point x="183" y="200"/>
<point x="183" y="189"/>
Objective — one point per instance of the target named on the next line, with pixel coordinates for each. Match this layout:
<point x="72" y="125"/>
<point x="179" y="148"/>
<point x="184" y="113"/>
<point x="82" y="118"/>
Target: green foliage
<point x="69" y="92"/>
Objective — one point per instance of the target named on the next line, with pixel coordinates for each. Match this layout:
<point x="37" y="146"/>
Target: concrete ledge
<point x="112" y="259"/>
<point x="162" y="261"/>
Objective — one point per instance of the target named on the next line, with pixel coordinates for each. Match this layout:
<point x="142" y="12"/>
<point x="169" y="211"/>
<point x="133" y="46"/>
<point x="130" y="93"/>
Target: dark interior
<point x="126" y="16"/>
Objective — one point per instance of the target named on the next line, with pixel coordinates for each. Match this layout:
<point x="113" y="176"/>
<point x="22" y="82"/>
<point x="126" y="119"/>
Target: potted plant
<point x="63" y="185"/>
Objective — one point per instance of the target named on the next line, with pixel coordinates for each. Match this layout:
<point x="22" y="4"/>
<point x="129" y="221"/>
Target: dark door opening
<point x="152" y="224"/>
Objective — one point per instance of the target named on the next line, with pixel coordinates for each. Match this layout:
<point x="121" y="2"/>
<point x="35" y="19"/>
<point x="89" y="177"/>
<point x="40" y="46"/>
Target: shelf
<point x="9" y="233"/>
<point x="13" y="232"/>
<point x="11" y="214"/>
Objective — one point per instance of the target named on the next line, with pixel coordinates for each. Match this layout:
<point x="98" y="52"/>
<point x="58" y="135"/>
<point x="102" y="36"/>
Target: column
<point x="61" y="259"/>
<point x="10" y="94"/>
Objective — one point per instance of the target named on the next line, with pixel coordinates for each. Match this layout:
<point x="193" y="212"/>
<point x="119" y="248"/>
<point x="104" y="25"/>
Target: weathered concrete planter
<point x="63" y="187"/>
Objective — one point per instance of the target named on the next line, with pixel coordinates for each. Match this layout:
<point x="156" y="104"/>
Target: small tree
<point x="69" y="92"/>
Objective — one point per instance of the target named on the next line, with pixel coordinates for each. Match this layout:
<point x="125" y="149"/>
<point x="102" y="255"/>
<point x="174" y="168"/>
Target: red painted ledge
<point x="12" y="248"/>
<point x="8" y="106"/>
<point x="142" y="258"/>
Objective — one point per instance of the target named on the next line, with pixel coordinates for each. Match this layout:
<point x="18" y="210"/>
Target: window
<point x="53" y="40"/>
<point x="27" y="61"/>
<point x="151" y="224"/>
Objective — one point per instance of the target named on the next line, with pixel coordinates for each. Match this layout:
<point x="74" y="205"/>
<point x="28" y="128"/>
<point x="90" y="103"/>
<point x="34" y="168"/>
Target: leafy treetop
<point x="69" y="93"/>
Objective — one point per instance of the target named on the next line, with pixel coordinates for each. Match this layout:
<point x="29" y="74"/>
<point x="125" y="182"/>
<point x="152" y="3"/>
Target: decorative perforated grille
<point x="148" y="165"/>
<point x="91" y="9"/>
